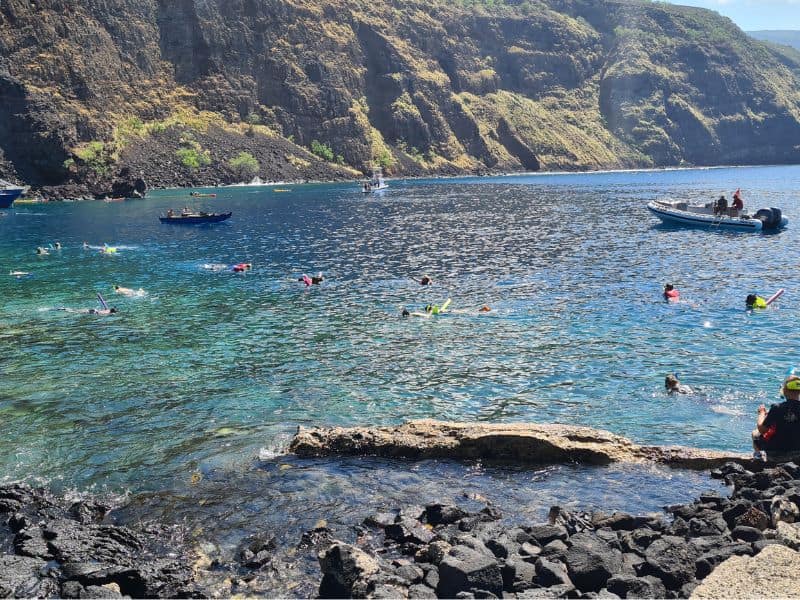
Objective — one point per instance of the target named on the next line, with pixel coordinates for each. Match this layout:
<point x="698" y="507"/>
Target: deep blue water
<point x="212" y="368"/>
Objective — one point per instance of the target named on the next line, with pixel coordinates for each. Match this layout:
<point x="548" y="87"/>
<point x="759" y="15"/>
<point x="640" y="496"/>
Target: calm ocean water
<point x="211" y="369"/>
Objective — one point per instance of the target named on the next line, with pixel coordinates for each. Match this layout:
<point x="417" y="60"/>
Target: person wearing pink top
<point x="671" y="294"/>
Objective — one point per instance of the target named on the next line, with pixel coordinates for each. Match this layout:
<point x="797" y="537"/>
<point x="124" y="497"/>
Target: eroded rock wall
<point x="415" y="86"/>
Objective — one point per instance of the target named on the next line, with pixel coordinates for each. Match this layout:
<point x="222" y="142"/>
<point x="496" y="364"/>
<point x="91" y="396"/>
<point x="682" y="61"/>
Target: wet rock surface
<point x="478" y="555"/>
<point x="56" y="548"/>
<point x="527" y="443"/>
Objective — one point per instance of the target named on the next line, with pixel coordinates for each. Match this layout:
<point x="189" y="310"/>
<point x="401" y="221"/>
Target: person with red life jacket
<point x="671" y="294"/>
<point x="778" y="430"/>
<point x="738" y="203"/>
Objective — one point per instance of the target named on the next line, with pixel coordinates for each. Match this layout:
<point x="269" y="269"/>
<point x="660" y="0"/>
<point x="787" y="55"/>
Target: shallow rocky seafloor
<point x="56" y="547"/>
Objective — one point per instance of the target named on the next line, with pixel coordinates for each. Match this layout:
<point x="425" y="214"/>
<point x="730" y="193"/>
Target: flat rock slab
<point x="770" y="574"/>
<point x="520" y="443"/>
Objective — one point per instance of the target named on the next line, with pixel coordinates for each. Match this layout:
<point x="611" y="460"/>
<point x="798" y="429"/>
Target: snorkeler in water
<point x="130" y="293"/>
<point x="314" y="280"/>
<point x="671" y="294"/>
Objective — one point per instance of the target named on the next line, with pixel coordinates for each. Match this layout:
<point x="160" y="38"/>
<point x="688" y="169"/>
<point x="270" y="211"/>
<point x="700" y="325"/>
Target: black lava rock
<point x="747" y="534"/>
<point x="465" y="569"/>
<point x="672" y="560"/>
<point x="590" y="562"/>
<point x="444" y="514"/>
<point x="408" y="530"/>
<point x="550" y="573"/>
<point x="626" y="586"/>
<point x="544" y="534"/>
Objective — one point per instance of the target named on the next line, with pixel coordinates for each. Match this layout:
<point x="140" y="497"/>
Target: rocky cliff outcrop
<point x="519" y="443"/>
<point x="176" y="90"/>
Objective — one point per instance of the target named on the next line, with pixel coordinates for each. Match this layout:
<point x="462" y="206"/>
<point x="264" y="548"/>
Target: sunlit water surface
<point x="212" y="369"/>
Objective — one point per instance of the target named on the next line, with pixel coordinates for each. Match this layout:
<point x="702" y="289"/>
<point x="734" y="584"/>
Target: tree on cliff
<point x="244" y="166"/>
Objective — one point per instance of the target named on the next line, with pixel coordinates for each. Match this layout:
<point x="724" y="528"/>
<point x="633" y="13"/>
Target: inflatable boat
<point x="677" y="212"/>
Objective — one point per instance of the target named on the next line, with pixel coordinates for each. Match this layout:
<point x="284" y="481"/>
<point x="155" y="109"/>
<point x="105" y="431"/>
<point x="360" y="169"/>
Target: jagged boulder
<point x="346" y="571"/>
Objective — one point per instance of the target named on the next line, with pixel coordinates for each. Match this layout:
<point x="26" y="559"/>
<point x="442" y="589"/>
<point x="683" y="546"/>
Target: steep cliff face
<point x="151" y="87"/>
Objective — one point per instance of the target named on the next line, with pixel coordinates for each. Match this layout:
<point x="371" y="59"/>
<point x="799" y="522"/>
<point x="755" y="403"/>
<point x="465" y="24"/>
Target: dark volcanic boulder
<point x="672" y="560"/>
<point x="628" y="586"/>
<point x="591" y="561"/>
<point x="464" y="569"/>
<point x="544" y="534"/>
<point x="550" y="573"/>
<point x="746" y="534"/>
<point x="444" y="514"/>
<point x="518" y="575"/>
<point x="346" y="571"/>
<point x="409" y="530"/>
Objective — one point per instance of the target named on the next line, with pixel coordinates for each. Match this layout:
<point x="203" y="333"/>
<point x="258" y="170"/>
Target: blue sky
<point x="754" y="14"/>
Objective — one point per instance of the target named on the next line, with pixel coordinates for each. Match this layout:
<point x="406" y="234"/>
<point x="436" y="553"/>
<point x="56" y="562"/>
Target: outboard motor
<point x="777" y="216"/>
<point x="769" y="217"/>
<point x="764" y="215"/>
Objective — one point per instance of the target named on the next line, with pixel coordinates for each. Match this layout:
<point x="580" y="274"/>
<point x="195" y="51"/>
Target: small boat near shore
<point x="9" y="192"/>
<point x="195" y="218"/>
<point x="376" y="184"/>
<point x="201" y="195"/>
<point x="675" y="212"/>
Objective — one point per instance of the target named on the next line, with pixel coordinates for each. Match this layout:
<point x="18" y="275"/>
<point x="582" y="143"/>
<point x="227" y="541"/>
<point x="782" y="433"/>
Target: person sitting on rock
<point x="779" y="429"/>
<point x="674" y="386"/>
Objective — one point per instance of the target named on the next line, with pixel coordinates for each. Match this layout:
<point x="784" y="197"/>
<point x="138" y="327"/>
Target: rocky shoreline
<point x="443" y="551"/>
<point x="58" y="547"/>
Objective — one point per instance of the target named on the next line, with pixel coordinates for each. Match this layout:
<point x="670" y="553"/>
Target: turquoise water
<point x="212" y="368"/>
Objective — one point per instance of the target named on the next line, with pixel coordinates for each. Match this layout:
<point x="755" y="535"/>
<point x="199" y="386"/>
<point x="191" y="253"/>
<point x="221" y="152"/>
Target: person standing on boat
<point x="738" y="204"/>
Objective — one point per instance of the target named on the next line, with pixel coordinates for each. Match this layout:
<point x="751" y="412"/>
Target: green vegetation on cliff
<point x="411" y="85"/>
